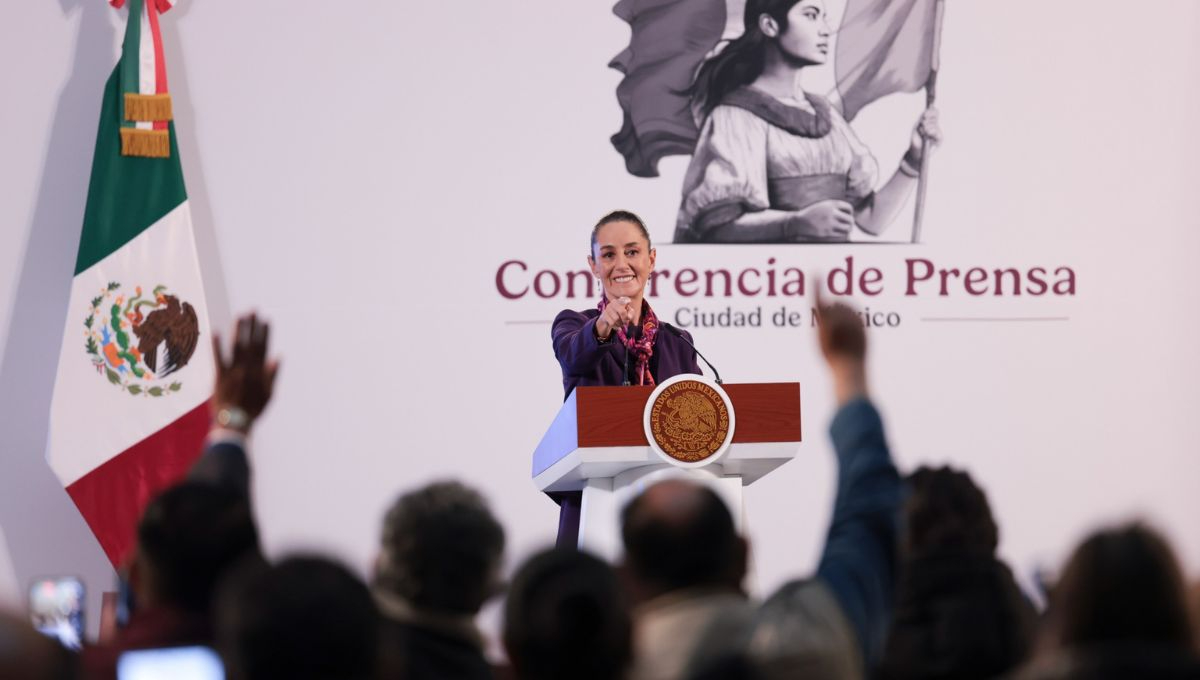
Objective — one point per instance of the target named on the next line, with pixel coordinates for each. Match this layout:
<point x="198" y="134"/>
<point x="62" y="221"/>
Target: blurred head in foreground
<point x="566" y="617"/>
<point x="306" y="618"/>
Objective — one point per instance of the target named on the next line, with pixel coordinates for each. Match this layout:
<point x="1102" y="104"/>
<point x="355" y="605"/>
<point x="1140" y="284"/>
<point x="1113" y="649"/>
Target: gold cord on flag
<point x="148" y="108"/>
<point x="145" y="143"/>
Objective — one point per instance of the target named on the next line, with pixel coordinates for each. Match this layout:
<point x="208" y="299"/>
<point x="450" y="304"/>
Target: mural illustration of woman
<point x="776" y="164"/>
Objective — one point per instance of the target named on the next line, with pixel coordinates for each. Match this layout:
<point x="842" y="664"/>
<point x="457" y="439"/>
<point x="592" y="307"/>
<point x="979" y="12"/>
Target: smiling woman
<point x="618" y="342"/>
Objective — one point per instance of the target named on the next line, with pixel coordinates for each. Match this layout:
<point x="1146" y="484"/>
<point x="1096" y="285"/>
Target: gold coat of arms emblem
<point x="689" y="420"/>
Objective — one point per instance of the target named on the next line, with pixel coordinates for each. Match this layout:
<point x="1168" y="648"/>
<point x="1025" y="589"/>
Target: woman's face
<point x="622" y="259"/>
<point x="806" y="40"/>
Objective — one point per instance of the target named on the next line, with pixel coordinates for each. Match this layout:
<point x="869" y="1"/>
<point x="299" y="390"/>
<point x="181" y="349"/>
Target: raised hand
<point x="843" y="341"/>
<point x="246" y="380"/>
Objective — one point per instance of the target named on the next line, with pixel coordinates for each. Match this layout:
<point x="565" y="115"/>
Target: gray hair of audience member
<point x="1121" y="585"/>
<point x="566" y="616"/>
<point x="679" y="534"/>
<point x="801" y="631"/>
<point x="441" y="549"/>
<point x="306" y="618"/>
<point x="26" y="654"/>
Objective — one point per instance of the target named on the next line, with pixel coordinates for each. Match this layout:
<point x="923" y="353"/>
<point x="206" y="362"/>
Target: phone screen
<point x="56" y="609"/>
<point x="177" y="663"/>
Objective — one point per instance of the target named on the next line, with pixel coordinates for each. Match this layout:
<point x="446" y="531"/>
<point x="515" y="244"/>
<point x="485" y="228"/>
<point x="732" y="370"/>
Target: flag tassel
<point x="148" y="107"/>
<point x="145" y="143"/>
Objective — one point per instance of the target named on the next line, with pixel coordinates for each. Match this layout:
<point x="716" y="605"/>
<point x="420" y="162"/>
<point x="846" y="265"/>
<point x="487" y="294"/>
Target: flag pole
<point x="930" y="98"/>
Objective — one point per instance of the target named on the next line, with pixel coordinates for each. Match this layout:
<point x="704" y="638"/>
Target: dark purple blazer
<point x="585" y="361"/>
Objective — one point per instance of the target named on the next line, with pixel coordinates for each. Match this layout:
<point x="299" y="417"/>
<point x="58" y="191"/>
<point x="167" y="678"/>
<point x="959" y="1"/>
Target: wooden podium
<point x="597" y="444"/>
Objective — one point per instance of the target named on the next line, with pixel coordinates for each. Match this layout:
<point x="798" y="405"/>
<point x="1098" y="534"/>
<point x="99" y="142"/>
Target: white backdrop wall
<point x="360" y="171"/>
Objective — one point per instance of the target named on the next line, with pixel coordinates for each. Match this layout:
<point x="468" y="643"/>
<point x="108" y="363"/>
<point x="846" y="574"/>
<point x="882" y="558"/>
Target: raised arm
<point x="859" y="561"/>
<point x="576" y="346"/>
<point x="245" y="381"/>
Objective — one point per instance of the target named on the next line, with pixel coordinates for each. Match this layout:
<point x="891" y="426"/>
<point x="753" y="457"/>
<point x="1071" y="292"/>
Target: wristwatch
<point x="233" y="418"/>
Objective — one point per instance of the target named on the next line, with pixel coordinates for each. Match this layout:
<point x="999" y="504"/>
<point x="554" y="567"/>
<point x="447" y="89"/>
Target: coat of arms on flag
<point x="137" y="341"/>
<point x="130" y="406"/>
<point x="771" y="163"/>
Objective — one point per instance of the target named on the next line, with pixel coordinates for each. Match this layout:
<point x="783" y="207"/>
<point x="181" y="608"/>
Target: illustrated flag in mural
<point x="669" y="39"/>
<point x="129" y="412"/>
<point x="884" y="47"/>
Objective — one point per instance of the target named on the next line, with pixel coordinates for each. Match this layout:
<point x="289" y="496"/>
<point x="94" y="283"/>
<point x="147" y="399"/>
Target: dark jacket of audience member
<point x="1119" y="610"/>
<point x="188" y="537"/>
<point x="566" y="617"/>
<point x="440" y="559"/>
<point x="959" y="612"/>
<point x="306" y="618"/>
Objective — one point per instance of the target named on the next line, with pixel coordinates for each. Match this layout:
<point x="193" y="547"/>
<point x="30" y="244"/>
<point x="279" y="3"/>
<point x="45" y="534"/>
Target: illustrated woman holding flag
<point x="775" y="164"/>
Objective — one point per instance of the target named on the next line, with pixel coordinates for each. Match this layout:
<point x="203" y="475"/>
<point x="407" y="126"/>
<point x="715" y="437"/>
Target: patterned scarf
<point x="643" y="346"/>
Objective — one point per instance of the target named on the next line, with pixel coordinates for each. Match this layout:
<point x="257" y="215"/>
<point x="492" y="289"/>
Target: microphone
<point x="632" y="331"/>
<point x="679" y="334"/>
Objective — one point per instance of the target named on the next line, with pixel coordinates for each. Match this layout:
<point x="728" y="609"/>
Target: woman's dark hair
<point x="947" y="511"/>
<point x="743" y="59"/>
<point x="567" y="617"/>
<point x="1121" y="585"/>
<point x="618" y="216"/>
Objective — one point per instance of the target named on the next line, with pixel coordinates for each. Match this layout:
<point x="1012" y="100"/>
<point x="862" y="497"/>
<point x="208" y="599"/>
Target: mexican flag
<point x="885" y="47"/>
<point x="129" y="412"/>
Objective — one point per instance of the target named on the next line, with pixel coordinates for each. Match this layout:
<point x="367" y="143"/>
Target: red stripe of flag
<point x="111" y="497"/>
<point x="160" y="64"/>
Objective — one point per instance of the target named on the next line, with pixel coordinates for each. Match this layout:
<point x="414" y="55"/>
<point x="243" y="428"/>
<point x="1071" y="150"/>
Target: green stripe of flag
<point x="130" y="67"/>
<point x="126" y="194"/>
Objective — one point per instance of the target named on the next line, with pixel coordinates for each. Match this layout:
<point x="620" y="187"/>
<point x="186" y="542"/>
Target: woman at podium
<point x="621" y="341"/>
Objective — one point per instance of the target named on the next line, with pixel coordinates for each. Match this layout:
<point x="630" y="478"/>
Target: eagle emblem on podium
<point x="688" y="420"/>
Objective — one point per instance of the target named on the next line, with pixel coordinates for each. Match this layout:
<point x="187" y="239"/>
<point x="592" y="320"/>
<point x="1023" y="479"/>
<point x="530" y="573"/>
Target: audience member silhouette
<point x="188" y="538"/>
<point x="685" y="563"/>
<point x="439" y="561"/>
<point x="566" y="617"/>
<point x="959" y="612"/>
<point x="306" y="618"/>
<point x="1119" y="611"/>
